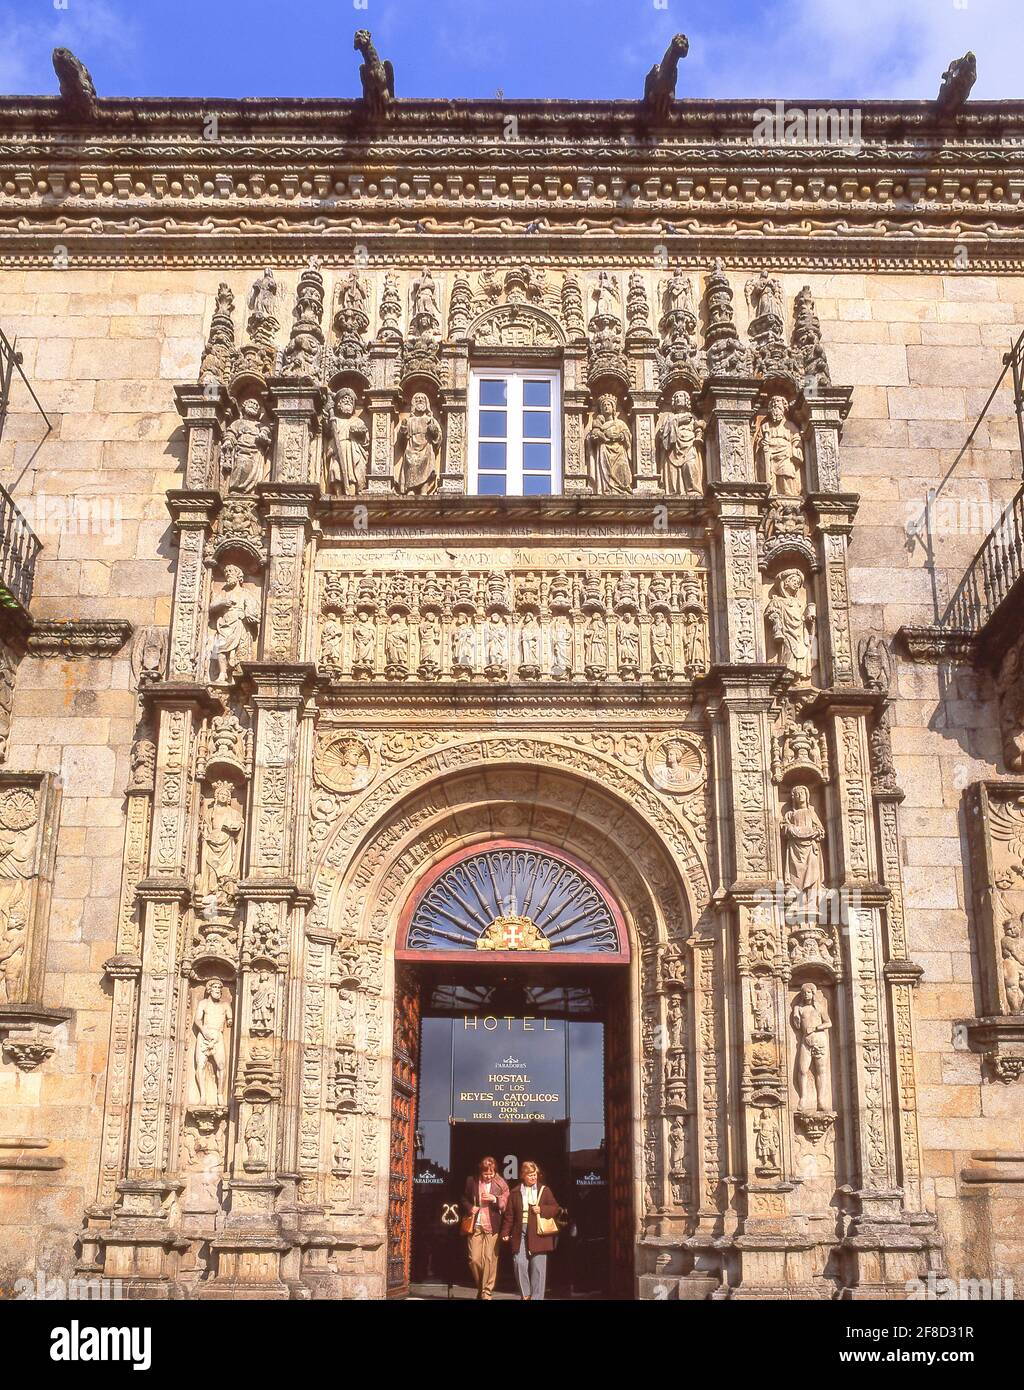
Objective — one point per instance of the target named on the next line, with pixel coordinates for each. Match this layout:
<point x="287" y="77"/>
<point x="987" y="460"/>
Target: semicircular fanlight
<point x="512" y="900"/>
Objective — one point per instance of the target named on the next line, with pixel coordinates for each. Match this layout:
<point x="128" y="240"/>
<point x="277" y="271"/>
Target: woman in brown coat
<point x="530" y="1249"/>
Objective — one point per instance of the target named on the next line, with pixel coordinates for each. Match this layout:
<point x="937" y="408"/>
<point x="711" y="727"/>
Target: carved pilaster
<point x="203" y="407"/>
<point x="835" y="523"/>
<point x="382" y="402"/>
<point x="739" y="630"/>
<point x="193" y="515"/>
<point x="289" y="511"/>
<point x="575" y="396"/>
<point x="298" y="407"/>
<point x="823" y="413"/>
<point x="643" y="357"/>
<point x="729" y="408"/>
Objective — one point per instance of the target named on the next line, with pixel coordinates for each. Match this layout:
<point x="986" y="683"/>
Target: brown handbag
<point x="466" y="1225"/>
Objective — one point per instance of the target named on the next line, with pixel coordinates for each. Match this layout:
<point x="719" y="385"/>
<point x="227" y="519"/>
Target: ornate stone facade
<point x="357" y="664"/>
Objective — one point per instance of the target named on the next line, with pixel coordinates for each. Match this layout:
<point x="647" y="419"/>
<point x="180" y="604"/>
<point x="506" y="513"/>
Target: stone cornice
<point x="75" y="637"/>
<point x="582" y="181"/>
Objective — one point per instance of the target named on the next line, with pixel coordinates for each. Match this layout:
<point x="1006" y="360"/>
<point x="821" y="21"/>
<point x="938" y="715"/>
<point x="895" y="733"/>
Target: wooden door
<point x="619" y="1119"/>
<point x="404" y="1075"/>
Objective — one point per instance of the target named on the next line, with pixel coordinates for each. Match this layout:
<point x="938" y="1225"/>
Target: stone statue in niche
<point x="595" y="647"/>
<point x="396" y="645"/>
<point x="256" y="1139"/>
<point x="1011" y="949"/>
<point x="262" y="300"/>
<point x="811" y="1023"/>
<point x="425" y="315"/>
<point x="661" y="646"/>
<point x="348" y="446"/>
<point x="243" y="455"/>
<point x="529" y="645"/>
<point x="764" y="297"/>
<point x="802" y="836"/>
<point x="763" y="1007"/>
<point x="419" y="436"/>
<point x="677" y="1145"/>
<point x="680" y="446"/>
<point x="211" y="1025"/>
<point x="364" y="644"/>
<point x="778" y="451"/>
<point x="627" y="635"/>
<point x="609" y="447"/>
<point x="235" y="615"/>
<point x="561" y="647"/>
<point x="463" y="645"/>
<point x="496" y="644"/>
<point x="351" y="296"/>
<point x="430" y="644"/>
<point x="607" y="303"/>
<point x="332" y="634"/>
<point x="220" y="833"/>
<point x="767" y="1144"/>
<point x="262" y="1004"/>
<point x="791" y="619"/>
<point x="695" y="647"/>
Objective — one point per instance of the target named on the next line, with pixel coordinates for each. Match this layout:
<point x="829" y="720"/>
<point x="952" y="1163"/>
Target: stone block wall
<point x="104" y="350"/>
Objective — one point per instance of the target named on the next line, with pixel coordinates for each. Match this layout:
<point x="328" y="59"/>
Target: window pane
<point x="537" y="458"/>
<point x="491" y="485"/>
<point x="493" y="393"/>
<point x="492" y="456"/>
<point x="536" y="485"/>
<point x="536" y="393"/>
<point x="537" y="424"/>
<point x="492" y="424"/>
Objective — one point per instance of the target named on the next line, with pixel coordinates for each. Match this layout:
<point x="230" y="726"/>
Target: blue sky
<point x="522" y="48"/>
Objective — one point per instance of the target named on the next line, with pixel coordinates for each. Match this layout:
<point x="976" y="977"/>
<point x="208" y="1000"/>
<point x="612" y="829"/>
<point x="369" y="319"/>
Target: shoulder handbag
<point x="546" y="1225"/>
<point x="468" y="1222"/>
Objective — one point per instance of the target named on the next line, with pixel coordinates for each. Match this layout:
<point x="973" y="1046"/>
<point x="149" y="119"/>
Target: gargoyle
<point x="660" y="86"/>
<point x="957" y="81"/>
<point x="77" y="93"/>
<point x="377" y="76"/>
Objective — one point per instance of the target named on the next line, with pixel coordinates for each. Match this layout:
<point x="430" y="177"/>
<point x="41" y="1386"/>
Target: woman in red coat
<point x="532" y="1198"/>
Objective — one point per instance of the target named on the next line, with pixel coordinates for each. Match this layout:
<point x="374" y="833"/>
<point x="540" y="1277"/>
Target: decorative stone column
<point x="203" y="406"/>
<point x="822" y="414"/>
<point x="834" y="517"/>
<point x="454" y="407"/>
<point x="193" y="515"/>
<point x="575" y="396"/>
<point x="642" y="356"/>
<point x="382" y="400"/>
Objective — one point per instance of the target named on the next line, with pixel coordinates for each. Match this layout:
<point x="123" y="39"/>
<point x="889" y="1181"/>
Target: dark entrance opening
<point x="512" y="1038"/>
<point x="516" y="1065"/>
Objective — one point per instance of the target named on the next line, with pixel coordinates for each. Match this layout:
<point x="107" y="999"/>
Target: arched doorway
<point x="511" y="1038"/>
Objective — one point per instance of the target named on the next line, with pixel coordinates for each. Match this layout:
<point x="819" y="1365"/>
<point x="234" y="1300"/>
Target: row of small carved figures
<point x="592" y="591"/>
<point x="490" y="645"/>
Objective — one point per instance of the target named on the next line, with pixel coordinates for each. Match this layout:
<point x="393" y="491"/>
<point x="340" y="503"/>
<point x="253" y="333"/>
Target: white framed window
<point x="515" y="433"/>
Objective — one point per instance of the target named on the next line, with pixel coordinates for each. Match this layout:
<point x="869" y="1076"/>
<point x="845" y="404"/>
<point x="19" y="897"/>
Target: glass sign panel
<point x="509" y="1070"/>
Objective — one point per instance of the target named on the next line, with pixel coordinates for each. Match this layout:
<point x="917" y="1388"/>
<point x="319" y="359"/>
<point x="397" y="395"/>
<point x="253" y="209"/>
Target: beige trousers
<point x="483" y="1262"/>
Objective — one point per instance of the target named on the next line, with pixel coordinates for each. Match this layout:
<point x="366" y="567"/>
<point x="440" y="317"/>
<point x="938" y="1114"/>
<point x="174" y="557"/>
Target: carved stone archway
<point x="371" y="864"/>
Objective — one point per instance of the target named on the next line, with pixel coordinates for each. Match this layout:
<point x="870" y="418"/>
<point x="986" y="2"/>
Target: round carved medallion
<point x="675" y="763"/>
<point x="344" y="763"/>
<point x="18" y="809"/>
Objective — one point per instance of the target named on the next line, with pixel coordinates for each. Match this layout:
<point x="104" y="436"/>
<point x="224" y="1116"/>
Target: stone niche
<point x="29" y="814"/>
<point x="995" y="834"/>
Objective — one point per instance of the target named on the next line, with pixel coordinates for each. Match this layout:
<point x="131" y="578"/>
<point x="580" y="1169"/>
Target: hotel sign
<point x="509" y="1070"/>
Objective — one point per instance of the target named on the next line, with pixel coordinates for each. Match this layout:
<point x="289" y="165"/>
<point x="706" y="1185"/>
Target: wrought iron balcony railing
<point x="19" y="545"/>
<point x="997" y="571"/>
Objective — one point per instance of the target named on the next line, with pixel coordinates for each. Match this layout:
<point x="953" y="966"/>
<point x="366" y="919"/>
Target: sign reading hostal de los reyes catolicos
<point x="509" y="1069"/>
